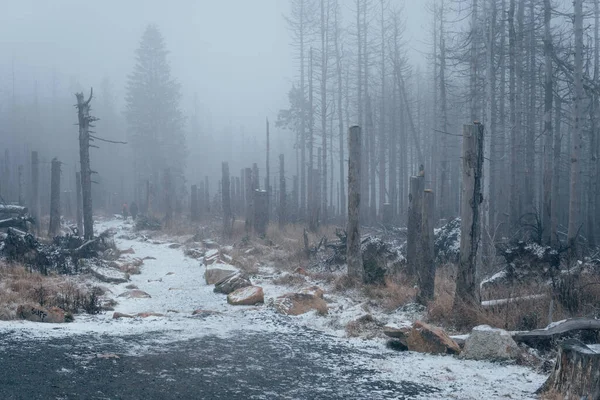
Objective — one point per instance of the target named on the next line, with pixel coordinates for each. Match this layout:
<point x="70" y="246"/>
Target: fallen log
<point x="499" y="302"/>
<point x="17" y="222"/>
<point x="12" y="209"/>
<point x="576" y="374"/>
<point x="543" y="338"/>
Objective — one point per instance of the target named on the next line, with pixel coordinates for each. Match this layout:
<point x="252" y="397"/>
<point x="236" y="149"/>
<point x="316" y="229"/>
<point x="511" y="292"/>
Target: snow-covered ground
<point x="176" y="285"/>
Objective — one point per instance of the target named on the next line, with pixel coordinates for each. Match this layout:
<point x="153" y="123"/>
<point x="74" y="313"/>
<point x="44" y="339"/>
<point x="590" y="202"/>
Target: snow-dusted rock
<point x="487" y="343"/>
<point x="232" y="283"/>
<point x="109" y="275"/>
<point x="366" y="327"/>
<point x="246" y="296"/>
<point x="216" y="273"/>
<point x="300" y="303"/>
<point x="425" y="338"/>
<point x="35" y="313"/>
<point x="118" y="315"/>
<point x="135" y="294"/>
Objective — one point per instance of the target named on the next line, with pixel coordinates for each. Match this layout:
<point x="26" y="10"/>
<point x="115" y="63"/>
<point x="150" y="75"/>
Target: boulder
<point x="232" y="283"/>
<point x="425" y="338"/>
<point x="35" y="313"/>
<point x="366" y="327"/>
<point x="246" y="296"/>
<point x="218" y="272"/>
<point x="135" y="294"/>
<point x="487" y="343"/>
<point x="314" y="290"/>
<point x="118" y="315"/>
<point x="109" y="275"/>
<point x="300" y="303"/>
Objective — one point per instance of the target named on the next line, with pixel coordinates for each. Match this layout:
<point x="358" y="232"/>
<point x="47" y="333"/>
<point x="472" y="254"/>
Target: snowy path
<point x="241" y="352"/>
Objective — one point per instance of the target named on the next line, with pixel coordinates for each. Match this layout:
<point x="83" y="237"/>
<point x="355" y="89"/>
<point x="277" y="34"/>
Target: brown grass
<point x="19" y="286"/>
<point x="290" y="280"/>
<point x="396" y="292"/>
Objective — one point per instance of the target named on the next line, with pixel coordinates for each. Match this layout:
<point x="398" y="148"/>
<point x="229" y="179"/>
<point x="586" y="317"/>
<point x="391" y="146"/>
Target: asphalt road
<point x="300" y="365"/>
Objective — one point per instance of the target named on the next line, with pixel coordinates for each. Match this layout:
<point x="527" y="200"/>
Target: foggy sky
<point x="234" y="53"/>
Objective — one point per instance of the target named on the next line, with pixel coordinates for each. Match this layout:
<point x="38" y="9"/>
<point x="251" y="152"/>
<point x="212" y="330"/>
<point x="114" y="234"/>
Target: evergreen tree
<point x="156" y="123"/>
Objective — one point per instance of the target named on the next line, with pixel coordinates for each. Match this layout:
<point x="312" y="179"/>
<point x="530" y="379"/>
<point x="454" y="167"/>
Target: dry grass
<point x="396" y="292"/>
<point x="551" y="395"/>
<point x="290" y="280"/>
<point x="20" y="286"/>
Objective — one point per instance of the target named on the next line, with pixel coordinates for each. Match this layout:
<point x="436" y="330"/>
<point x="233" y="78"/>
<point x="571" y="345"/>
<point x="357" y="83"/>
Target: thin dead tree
<point x="353" y="253"/>
<point x="226" y="196"/>
<point x="85" y="123"/>
<point x="54" y="227"/>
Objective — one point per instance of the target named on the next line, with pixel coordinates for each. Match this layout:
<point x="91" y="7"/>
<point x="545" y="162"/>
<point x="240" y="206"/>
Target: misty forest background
<point x="526" y="69"/>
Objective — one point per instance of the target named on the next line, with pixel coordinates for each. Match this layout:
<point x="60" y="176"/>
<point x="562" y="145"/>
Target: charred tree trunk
<point x="85" y="123"/>
<point x="78" y="218"/>
<point x="353" y="253"/>
<point x="472" y="160"/>
<point x="576" y="374"/>
<point x="426" y="272"/>
<point x="54" y="228"/>
<point x="226" y="196"/>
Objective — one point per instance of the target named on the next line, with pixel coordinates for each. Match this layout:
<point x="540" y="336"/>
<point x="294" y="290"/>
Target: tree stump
<point x="576" y="374"/>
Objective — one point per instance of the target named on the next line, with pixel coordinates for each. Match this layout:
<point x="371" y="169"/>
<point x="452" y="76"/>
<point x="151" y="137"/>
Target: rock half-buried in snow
<point x="232" y="284"/>
<point x="109" y="275"/>
<point x="487" y="343"/>
<point x="246" y="296"/>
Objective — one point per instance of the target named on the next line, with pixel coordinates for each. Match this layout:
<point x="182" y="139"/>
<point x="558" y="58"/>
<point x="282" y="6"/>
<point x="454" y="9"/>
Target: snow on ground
<point x="176" y="284"/>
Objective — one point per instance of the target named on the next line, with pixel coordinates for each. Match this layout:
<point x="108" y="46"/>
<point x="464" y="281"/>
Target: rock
<point x="132" y="286"/>
<point x="232" y="283"/>
<point x="300" y="303"/>
<point x="204" y="313"/>
<point x="301" y="271"/>
<point x="194" y="253"/>
<point x="135" y="294"/>
<point x="174" y="245"/>
<point x="35" y="313"/>
<point x="425" y="338"/>
<point x="313" y="290"/>
<point x="366" y="327"/>
<point x="149" y="314"/>
<point x="246" y="296"/>
<point x="396" y="333"/>
<point x="108" y="356"/>
<point x="216" y="273"/>
<point x="210" y="244"/>
<point x="127" y="251"/>
<point x="487" y="343"/>
<point x="117" y="315"/>
<point x="108" y="275"/>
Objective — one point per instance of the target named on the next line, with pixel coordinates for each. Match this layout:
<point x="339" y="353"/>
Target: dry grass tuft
<point x="396" y="292"/>
<point x="290" y="280"/>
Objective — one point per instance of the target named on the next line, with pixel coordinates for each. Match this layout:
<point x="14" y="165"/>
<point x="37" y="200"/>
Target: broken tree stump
<point x="576" y="374"/>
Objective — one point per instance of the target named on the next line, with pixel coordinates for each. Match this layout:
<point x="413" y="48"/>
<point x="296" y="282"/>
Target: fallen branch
<point x="544" y="337"/>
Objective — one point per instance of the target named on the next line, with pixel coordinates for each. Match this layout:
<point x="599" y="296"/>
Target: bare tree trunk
<point x="194" y="204"/>
<point x="372" y="159"/>
<point x="353" y="252"/>
<point x="556" y="159"/>
<point x="426" y="272"/>
<point x="311" y="143"/>
<point x="342" y="144"/>
<point x="206" y="195"/>
<point x="54" y="227"/>
<point x="324" y="60"/>
<point x="260" y="212"/>
<point x="445" y="196"/>
<point x="472" y="161"/>
<point x="85" y="121"/>
<point x="267" y="174"/>
<point x="382" y="120"/>
<point x="35" y="190"/>
<point x="415" y="210"/>
<point x="514" y="129"/>
<point x="474" y="64"/>
<point x="226" y="196"/>
<point x="575" y="197"/>
<point x="20" y="185"/>
<point x="548" y="95"/>
<point x="79" y="217"/>
<point x="168" y="199"/>
<point x="249" y="201"/>
<point x="282" y="193"/>
<point x="529" y="103"/>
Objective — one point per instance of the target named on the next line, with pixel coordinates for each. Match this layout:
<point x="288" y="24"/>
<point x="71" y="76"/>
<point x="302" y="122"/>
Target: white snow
<point x="493" y="278"/>
<point x="176" y="284"/>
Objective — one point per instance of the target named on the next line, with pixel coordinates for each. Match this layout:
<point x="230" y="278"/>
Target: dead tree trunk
<point x="194" y="204"/>
<point x="261" y="217"/>
<point x="576" y="374"/>
<point x="472" y="160"/>
<point x="226" y="197"/>
<point x="85" y="123"/>
<point x="206" y="195"/>
<point x="35" y="189"/>
<point x="168" y="199"/>
<point x="54" y="227"/>
<point x="353" y="254"/>
<point x="426" y="272"/>
<point x="282" y="193"/>
<point x="249" y="200"/>
<point x="415" y="209"/>
<point x="20" y="185"/>
<point x="78" y="218"/>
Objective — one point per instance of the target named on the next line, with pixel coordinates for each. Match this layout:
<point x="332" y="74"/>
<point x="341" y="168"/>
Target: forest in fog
<point x="177" y="94"/>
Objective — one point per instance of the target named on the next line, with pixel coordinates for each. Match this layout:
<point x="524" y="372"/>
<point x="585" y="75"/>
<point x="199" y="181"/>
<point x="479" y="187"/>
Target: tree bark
<point x="85" y="121"/>
<point x="472" y="161"/>
<point x="168" y="199"/>
<point x="194" y="204"/>
<point x="353" y="251"/>
<point x="548" y="96"/>
<point x="79" y="217"/>
<point x="282" y="193"/>
<point x="249" y="200"/>
<point x="426" y="272"/>
<point x="226" y="197"/>
<point x="35" y="190"/>
<point x="415" y="211"/>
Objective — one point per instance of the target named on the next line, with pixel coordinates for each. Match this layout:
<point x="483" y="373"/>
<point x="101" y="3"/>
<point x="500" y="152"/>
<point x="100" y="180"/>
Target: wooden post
<point x="85" y="120"/>
<point x="471" y="198"/>
<point x="79" y="216"/>
<point x="353" y="253"/>
<point x="426" y="272"/>
<point x="194" y="204"/>
<point x="282" y="193"/>
<point x="249" y="200"/>
<point x="260" y="212"/>
<point x="168" y="199"/>
<point x="226" y="198"/>
<point x="415" y="209"/>
<point x="35" y="189"/>
<point x="54" y="227"/>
